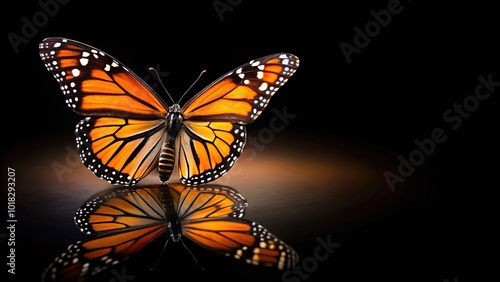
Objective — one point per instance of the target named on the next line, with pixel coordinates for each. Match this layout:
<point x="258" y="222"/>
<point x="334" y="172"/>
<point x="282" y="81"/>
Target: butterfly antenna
<point x="202" y="72"/>
<point x="161" y="254"/>
<point x="161" y="83"/>
<point x="194" y="258"/>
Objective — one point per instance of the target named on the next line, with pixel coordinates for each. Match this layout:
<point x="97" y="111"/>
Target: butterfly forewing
<point x="242" y="94"/>
<point x="95" y="83"/>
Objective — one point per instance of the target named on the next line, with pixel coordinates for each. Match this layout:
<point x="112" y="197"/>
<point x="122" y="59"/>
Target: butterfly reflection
<point x="128" y="130"/>
<point x="120" y="222"/>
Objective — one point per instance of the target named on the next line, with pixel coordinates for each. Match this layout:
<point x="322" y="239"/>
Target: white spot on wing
<point x="84" y="61"/>
<point x="75" y="72"/>
<point x="263" y="86"/>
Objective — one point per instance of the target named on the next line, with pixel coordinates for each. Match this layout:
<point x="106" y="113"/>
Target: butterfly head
<point x="175" y="108"/>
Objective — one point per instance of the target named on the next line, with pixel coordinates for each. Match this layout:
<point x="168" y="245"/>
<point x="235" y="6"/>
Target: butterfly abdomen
<point x="168" y="150"/>
<point x="166" y="162"/>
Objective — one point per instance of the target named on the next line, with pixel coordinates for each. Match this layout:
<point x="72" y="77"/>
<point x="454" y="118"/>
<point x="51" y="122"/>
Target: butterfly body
<point x="173" y="124"/>
<point x="128" y="130"/>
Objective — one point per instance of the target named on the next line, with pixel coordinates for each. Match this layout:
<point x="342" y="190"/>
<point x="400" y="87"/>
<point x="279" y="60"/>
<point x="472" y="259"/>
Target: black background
<point x="396" y="89"/>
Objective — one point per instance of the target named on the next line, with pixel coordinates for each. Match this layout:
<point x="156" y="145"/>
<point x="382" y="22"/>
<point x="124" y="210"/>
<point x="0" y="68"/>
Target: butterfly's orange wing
<point x="211" y="216"/>
<point x="121" y="137"/>
<point x="213" y="132"/>
<point x="119" y="141"/>
<point x="119" y="223"/>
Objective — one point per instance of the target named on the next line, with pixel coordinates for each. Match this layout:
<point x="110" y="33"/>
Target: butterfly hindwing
<point x="119" y="150"/>
<point x="207" y="150"/>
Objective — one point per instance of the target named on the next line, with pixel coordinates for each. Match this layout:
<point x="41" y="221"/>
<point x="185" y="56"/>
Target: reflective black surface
<point x="315" y="165"/>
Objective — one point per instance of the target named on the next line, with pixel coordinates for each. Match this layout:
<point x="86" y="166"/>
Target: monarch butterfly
<point x="128" y="130"/>
<point x="121" y="221"/>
